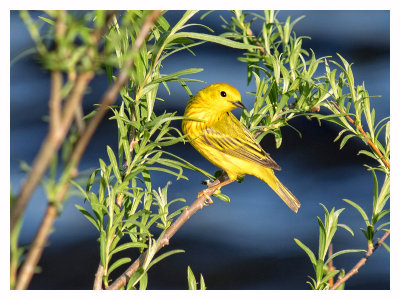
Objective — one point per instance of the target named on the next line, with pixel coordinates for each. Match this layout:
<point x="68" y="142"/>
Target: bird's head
<point x="220" y="98"/>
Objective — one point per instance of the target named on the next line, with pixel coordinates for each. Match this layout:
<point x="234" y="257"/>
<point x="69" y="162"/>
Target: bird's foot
<point x="208" y="198"/>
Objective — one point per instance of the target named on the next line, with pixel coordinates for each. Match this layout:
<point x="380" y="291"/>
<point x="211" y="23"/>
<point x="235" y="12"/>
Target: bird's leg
<point x="208" y="198"/>
<point x="217" y="187"/>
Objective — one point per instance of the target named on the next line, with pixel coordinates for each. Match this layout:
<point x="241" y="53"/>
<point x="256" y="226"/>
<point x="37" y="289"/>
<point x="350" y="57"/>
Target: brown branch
<point x="169" y="233"/>
<point x="49" y="147"/>
<point x="27" y="270"/>
<point x="55" y="137"/>
<point x="41" y="237"/>
<point x="98" y="279"/>
<point x="330" y="264"/>
<point x="34" y="254"/>
<point x="362" y="262"/>
<point x="370" y="143"/>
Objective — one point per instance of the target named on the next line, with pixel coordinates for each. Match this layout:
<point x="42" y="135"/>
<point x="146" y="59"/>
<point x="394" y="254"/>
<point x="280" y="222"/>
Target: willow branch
<point x="370" y="143"/>
<point x="97" y="285"/>
<point x="57" y="134"/>
<point x="26" y="273"/>
<point x="330" y="264"/>
<point x="362" y="262"/>
<point x="49" y="147"/>
<point x="169" y="233"/>
<point x="41" y="237"/>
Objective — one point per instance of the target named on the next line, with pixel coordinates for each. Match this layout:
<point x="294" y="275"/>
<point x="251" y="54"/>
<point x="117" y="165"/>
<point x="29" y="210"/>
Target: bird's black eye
<point x="223" y="94"/>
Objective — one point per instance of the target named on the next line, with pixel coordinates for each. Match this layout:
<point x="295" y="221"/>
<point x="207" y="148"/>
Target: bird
<point x="222" y="139"/>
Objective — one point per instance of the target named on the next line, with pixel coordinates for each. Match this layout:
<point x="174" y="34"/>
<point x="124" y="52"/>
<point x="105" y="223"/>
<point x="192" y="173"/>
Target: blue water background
<point x="248" y="243"/>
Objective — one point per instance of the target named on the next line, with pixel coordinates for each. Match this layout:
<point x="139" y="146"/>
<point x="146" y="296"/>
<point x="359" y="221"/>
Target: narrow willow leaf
<point x="368" y="153"/>
<point x="127" y="246"/>
<point x="222" y="197"/>
<point x="329" y="275"/>
<point x="135" y="278"/>
<point x="103" y="243"/>
<point x="91" y="180"/>
<point x="174" y="76"/>
<point x="215" y="39"/>
<point x="191" y="279"/>
<point x="202" y="283"/>
<point x="278" y="137"/>
<point x="380" y="215"/>
<point x="88" y="216"/>
<point x="80" y="189"/>
<point x="343" y="252"/>
<point x="319" y="270"/>
<point x="386" y="246"/>
<point x="114" y="163"/>
<point x="345" y="139"/>
<point x="307" y="250"/>
<point x="118" y="263"/>
<point x="344" y="226"/>
<point x="164" y="255"/>
<point x="382" y="225"/>
<point x="143" y="282"/>
<point x="322" y="247"/>
<point x="360" y="210"/>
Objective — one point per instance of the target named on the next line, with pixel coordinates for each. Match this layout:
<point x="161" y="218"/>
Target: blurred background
<point x="247" y="243"/>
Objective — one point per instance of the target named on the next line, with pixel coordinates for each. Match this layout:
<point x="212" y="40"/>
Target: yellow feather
<point x="219" y="136"/>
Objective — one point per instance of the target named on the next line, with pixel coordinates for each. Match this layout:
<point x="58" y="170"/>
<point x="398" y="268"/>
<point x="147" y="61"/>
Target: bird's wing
<point x="229" y="136"/>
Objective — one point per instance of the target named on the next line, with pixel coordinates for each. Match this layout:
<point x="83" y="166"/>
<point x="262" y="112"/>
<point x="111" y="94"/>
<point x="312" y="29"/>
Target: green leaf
<point x="88" y="216"/>
<point x="80" y="189"/>
<point x="51" y="22"/>
<point x="215" y="39"/>
<point x="135" y="277"/>
<point x="103" y="243"/>
<point x="307" y="250"/>
<point x="278" y="137"/>
<point x="222" y="197"/>
<point x="114" y="163"/>
<point x="343" y="252"/>
<point x="174" y="76"/>
<point x="191" y="279"/>
<point x="344" y="226"/>
<point x="127" y="246"/>
<point x="202" y="283"/>
<point x="345" y="139"/>
<point x="91" y="180"/>
<point x="118" y="263"/>
<point x="164" y="255"/>
<point x="329" y="275"/>
<point x="143" y="282"/>
<point x="360" y="210"/>
<point x="382" y="225"/>
<point x="319" y="270"/>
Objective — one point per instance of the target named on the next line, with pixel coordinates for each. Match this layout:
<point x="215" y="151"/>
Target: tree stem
<point x="362" y="262"/>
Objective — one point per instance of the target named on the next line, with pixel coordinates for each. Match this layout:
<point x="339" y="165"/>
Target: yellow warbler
<point x="219" y="136"/>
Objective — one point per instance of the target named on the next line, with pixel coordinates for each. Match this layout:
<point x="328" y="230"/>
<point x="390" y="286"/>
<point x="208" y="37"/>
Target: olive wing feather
<point x="229" y="136"/>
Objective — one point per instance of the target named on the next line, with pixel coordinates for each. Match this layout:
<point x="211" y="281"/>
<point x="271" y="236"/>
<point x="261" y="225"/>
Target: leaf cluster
<point x="287" y="86"/>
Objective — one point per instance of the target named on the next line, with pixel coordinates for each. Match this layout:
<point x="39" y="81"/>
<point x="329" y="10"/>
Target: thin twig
<point x="55" y="137"/>
<point x="27" y="270"/>
<point x="372" y="145"/>
<point x="55" y="100"/>
<point x="34" y="254"/>
<point x="169" y="233"/>
<point x="41" y="237"/>
<point x="330" y="264"/>
<point x="362" y="262"/>
<point x="49" y="147"/>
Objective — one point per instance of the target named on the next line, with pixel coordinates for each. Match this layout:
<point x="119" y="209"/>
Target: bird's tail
<point x="269" y="177"/>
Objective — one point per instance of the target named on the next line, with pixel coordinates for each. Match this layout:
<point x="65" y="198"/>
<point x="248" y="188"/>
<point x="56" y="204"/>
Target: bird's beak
<point x="239" y="104"/>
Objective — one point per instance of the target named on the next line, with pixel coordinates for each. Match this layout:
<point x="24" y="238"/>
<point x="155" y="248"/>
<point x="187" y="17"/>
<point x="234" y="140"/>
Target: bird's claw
<point x="208" y="198"/>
